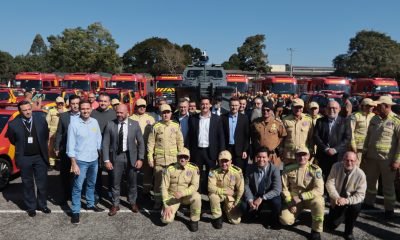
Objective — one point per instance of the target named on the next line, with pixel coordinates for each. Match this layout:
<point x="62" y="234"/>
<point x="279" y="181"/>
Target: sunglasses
<point x="183" y="157"/>
<point x="141" y="106"/>
<point x="166" y="112"/>
<point x="266" y="109"/>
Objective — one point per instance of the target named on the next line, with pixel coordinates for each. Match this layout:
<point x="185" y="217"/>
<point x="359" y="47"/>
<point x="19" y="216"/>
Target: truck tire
<point x="5" y="173"/>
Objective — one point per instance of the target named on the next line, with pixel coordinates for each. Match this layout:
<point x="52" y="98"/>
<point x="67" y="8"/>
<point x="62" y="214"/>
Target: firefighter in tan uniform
<point x="303" y="187"/>
<point x="165" y="141"/>
<point x="313" y="109"/>
<point x="299" y="131"/>
<point x="226" y="185"/>
<point x="359" y="126"/>
<point x="146" y="122"/>
<point x="268" y="132"/>
<point x="179" y="185"/>
<point x="52" y="118"/>
<point x="381" y="154"/>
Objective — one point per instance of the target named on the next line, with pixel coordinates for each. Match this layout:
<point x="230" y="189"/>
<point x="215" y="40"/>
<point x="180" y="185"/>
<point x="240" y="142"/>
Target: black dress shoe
<point x="75" y="218"/>
<point x="217" y="223"/>
<point x="96" y="209"/>
<point x="45" y="210"/>
<point x="31" y="213"/>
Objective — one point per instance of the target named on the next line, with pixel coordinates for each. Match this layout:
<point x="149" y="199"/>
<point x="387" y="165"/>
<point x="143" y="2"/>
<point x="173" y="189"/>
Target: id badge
<point x="30" y="139"/>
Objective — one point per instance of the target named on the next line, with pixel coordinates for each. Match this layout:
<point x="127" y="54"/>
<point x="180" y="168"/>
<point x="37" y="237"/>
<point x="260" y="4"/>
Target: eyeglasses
<point x="183" y="157"/>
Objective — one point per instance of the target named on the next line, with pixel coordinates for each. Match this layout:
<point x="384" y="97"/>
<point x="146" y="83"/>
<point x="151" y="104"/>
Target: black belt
<point x="202" y="147"/>
<point x="119" y="153"/>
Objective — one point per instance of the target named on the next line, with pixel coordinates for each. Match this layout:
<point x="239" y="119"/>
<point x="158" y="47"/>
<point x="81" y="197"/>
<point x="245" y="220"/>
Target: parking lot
<point x="15" y="223"/>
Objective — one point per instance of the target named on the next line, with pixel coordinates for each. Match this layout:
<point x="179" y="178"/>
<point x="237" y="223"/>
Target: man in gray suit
<point x="123" y="151"/>
<point x="263" y="186"/>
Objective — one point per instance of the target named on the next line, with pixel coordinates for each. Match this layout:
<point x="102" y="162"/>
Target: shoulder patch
<point x="235" y="169"/>
<point x="315" y="166"/>
<point x="307" y="117"/>
<point x="174" y="123"/>
<point x="157" y="125"/>
<point x="192" y="165"/>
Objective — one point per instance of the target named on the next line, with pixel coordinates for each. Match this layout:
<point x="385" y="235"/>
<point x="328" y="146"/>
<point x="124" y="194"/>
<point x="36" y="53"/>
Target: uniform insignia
<point x="210" y="174"/>
<point x="273" y="127"/>
<point x="148" y="122"/>
<point x="305" y="124"/>
<point x="188" y="173"/>
<point x="232" y="178"/>
<point x="389" y="124"/>
<point x="318" y="175"/>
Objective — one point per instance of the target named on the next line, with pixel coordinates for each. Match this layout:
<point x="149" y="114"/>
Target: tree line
<point x="93" y="49"/>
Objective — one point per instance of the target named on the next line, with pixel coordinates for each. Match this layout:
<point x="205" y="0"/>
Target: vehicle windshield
<point x="114" y="95"/>
<point x="77" y="84"/>
<point x="323" y="101"/>
<point x="337" y="87"/>
<point x="28" y="84"/>
<point x="384" y="88"/>
<point x="51" y="97"/>
<point x="131" y="85"/>
<point x="3" y="121"/>
<point x="283" y="88"/>
<point x="168" y="84"/>
<point x="200" y="73"/>
<point x="4" y="95"/>
<point x="240" y="86"/>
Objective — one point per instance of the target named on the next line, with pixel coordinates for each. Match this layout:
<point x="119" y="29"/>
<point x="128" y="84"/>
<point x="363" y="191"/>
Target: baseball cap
<point x="184" y="152"/>
<point x="297" y="102"/>
<point x="225" y="155"/>
<point x="114" y="101"/>
<point x="386" y="100"/>
<point x="165" y="107"/>
<point x="140" y="102"/>
<point x="302" y="149"/>
<point x="313" y="105"/>
<point x="368" y="101"/>
<point x="59" y="100"/>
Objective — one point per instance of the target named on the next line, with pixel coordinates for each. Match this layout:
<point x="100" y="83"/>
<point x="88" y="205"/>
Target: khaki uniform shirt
<point x="299" y="133"/>
<point x="164" y="143"/>
<point x="359" y="127"/>
<point x="146" y="121"/>
<point x="219" y="181"/>
<point x="382" y="141"/>
<point x="180" y="179"/>
<point x="306" y="181"/>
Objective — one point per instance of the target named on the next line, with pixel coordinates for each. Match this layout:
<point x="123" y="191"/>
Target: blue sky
<point x="318" y="30"/>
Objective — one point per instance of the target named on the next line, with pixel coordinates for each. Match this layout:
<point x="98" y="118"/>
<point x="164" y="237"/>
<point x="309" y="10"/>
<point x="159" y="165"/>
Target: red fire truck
<point x="338" y="84"/>
<point x="88" y="82"/>
<point x="284" y="85"/>
<point x="35" y="80"/>
<point x="165" y="86"/>
<point x="371" y="86"/>
<point x="238" y="81"/>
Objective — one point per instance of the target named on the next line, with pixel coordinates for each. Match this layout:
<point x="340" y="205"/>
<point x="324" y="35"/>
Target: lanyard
<point x="30" y="128"/>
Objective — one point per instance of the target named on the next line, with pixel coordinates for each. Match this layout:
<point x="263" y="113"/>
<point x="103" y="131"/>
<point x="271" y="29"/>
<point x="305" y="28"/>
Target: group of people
<point x="189" y="152"/>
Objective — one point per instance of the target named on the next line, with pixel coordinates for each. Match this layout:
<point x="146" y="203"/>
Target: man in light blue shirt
<point x="83" y="145"/>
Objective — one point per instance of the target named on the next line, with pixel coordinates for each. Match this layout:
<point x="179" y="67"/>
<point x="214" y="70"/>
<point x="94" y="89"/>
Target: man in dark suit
<point x="60" y="146"/>
<point x="182" y="117"/>
<point x="206" y="139"/>
<point x="236" y="134"/>
<point x="262" y="189"/>
<point x="332" y="135"/>
<point x="123" y="151"/>
<point x="29" y="134"/>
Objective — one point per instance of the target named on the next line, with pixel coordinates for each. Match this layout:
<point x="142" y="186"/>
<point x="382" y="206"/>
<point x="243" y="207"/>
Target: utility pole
<point x="291" y="50"/>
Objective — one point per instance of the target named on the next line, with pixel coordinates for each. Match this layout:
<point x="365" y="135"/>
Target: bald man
<point x="332" y="135"/>
<point x="123" y="151"/>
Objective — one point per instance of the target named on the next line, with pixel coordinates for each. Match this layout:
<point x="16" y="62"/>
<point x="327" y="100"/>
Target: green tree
<point x="38" y="47"/>
<point x="7" y="66"/>
<point x="84" y="50"/>
<point x="233" y="63"/>
<point x="251" y="55"/>
<point x="158" y="55"/>
<point x="370" y="54"/>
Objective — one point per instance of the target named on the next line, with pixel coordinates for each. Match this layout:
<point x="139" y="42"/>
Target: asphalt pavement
<point x="15" y="223"/>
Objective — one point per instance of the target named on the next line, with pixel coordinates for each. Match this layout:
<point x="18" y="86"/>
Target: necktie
<point x="121" y="138"/>
<point x="343" y="192"/>
<point x="261" y="181"/>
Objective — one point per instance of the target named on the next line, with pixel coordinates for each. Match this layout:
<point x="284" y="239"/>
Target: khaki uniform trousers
<point x="317" y="207"/>
<point x="232" y="213"/>
<point x="195" y="207"/>
<point x="374" y="168"/>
